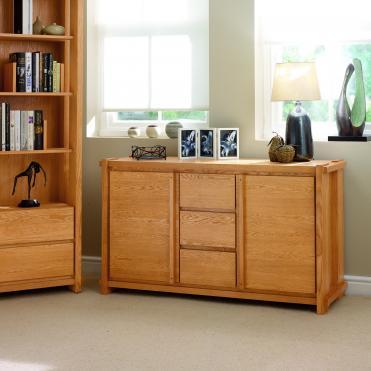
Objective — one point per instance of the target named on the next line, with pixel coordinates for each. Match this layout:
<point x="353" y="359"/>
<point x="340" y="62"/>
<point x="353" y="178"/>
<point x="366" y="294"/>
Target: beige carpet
<point x="58" y="330"/>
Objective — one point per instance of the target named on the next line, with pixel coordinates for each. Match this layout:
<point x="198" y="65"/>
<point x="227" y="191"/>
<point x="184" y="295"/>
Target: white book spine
<point x="37" y="73"/>
<point x="28" y="72"/>
<point x="31" y="131"/>
<point x="17" y="120"/>
<point x="3" y="115"/>
<point x="24" y="130"/>
<point x="25" y="16"/>
<point x="12" y="131"/>
<point x="30" y="17"/>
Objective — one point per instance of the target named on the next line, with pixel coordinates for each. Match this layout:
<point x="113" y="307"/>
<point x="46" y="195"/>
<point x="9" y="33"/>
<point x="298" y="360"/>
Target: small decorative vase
<point x="53" y="29"/>
<point x="133" y="132"/>
<point x="171" y="129"/>
<point x="37" y="27"/>
<point x="343" y="121"/>
<point x="153" y="131"/>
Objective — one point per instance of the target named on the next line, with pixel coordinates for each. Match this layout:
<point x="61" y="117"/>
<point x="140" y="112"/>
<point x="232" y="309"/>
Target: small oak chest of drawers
<point x="247" y="229"/>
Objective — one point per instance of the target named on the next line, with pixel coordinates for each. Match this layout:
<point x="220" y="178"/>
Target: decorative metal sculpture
<point x="148" y="153"/>
<point x="351" y="122"/>
<point x="31" y="172"/>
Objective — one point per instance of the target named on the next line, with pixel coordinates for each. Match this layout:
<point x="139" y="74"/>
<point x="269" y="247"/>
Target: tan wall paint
<point x="232" y="105"/>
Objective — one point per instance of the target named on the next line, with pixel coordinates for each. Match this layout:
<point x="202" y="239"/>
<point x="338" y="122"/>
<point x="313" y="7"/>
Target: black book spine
<point x="7" y="127"/>
<point x="39" y="130"/>
<point x="45" y="59"/>
<point x="50" y="73"/>
<point x="18" y="16"/>
<point x="20" y="60"/>
<point x="34" y="66"/>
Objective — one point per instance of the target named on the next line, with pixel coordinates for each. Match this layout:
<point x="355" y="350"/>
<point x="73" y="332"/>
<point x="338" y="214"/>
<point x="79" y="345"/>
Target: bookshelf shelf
<point x="36" y="152"/>
<point x="49" y="253"/>
<point x="46" y="38"/>
<point x="13" y="94"/>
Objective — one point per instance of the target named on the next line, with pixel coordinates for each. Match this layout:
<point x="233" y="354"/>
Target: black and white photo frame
<point x="187" y="144"/>
<point x="228" y="143"/>
<point x="207" y="148"/>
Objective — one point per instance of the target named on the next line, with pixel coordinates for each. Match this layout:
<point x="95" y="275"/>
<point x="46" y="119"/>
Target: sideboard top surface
<point x="239" y="166"/>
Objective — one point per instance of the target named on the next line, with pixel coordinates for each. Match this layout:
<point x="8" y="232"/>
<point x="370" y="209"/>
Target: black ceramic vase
<point x="299" y="133"/>
<point x="343" y="120"/>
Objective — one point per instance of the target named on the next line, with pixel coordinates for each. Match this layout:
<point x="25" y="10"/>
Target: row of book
<point x="23" y="15"/>
<point x="21" y="130"/>
<point x="37" y="72"/>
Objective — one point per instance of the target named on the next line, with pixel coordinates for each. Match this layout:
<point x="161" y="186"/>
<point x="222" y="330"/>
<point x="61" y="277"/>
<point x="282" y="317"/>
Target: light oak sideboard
<point x="247" y="229"/>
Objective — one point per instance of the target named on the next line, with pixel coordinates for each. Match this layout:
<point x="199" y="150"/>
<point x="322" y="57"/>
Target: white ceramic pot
<point x="153" y="131"/>
<point x="171" y="129"/>
<point x="133" y="132"/>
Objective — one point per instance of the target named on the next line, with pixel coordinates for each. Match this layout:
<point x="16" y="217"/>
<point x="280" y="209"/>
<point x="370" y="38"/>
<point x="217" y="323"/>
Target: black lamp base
<point x="299" y="133"/>
<point x="27" y="204"/>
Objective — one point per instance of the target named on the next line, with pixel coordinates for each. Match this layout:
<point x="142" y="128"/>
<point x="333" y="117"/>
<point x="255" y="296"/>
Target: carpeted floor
<point x="57" y="330"/>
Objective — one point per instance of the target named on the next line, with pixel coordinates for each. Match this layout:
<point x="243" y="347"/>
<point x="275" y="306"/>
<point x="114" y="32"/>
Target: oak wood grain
<point x="139" y="222"/>
<point x="207" y="191"/>
<point x="208" y="268"/>
<point x="208" y="229"/>
<point x="280" y="234"/>
<point x="36" y="262"/>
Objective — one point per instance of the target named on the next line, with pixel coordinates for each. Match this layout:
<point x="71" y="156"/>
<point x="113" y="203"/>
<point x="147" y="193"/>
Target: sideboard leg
<point x="105" y="289"/>
<point x="322" y="306"/>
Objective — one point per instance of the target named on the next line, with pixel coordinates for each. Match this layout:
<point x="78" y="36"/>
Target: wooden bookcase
<point x="41" y="247"/>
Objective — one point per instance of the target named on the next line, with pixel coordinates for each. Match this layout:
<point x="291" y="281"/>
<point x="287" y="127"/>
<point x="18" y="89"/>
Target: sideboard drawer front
<point x="32" y="262"/>
<point x="207" y="229"/>
<point x="208" y="268"/>
<point x="42" y="224"/>
<point x="208" y="191"/>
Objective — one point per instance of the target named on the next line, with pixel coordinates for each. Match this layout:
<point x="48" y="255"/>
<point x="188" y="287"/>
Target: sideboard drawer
<point x="207" y="229"/>
<point x="208" y="191"/>
<point x="208" y="268"/>
<point x="44" y="224"/>
<point x="32" y="262"/>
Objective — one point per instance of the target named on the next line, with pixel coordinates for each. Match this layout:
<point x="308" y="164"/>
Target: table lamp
<point x="297" y="82"/>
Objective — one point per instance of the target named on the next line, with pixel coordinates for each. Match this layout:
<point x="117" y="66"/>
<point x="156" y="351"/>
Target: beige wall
<point x="232" y="104"/>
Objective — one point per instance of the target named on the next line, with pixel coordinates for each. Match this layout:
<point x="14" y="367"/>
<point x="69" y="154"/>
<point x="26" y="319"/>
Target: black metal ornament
<point x="148" y="153"/>
<point x="31" y="172"/>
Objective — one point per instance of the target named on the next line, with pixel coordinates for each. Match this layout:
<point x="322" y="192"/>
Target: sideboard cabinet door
<point x="279" y="226"/>
<point x="140" y="226"/>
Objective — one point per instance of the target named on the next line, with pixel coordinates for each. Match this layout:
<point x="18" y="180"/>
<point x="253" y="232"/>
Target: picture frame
<point x="187" y="144"/>
<point x="228" y="143"/>
<point x="206" y="145"/>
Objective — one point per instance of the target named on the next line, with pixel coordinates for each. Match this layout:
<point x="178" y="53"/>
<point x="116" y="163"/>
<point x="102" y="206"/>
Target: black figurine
<point x="32" y="171"/>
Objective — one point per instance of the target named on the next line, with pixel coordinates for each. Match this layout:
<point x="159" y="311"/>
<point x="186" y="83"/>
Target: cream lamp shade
<point x="295" y="81"/>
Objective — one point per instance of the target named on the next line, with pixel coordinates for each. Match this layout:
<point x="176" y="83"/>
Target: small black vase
<point x="343" y="113"/>
<point x="299" y="133"/>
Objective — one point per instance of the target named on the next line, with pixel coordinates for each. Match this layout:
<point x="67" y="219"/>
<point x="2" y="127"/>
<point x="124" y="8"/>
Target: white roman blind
<point x="153" y="54"/>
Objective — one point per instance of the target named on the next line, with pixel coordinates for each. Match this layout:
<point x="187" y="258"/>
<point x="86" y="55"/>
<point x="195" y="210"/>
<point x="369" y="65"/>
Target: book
<point x="55" y="77"/>
<point x="20" y="60"/>
<point x="58" y="78"/>
<point x="31" y="130"/>
<point x="36" y="72"/>
<point x="45" y="64"/>
<point x="22" y="16"/>
<point x="2" y="121"/>
<point x="39" y="130"/>
<point x="12" y="130"/>
<point x="50" y="73"/>
<point x="24" y="130"/>
<point x="28" y="67"/>
<point x="17" y="122"/>
<point x="7" y="126"/>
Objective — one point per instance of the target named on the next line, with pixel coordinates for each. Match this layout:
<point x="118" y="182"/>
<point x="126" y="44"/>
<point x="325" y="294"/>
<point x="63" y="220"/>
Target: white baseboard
<point x="357" y="285"/>
<point x="91" y="264"/>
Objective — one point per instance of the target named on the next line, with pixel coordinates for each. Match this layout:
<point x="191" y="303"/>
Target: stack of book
<point x="37" y="72"/>
<point x="23" y="15"/>
<point x="21" y="130"/>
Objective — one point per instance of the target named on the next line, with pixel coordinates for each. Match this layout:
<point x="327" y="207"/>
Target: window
<point x="331" y="34"/>
<point x="147" y="62"/>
